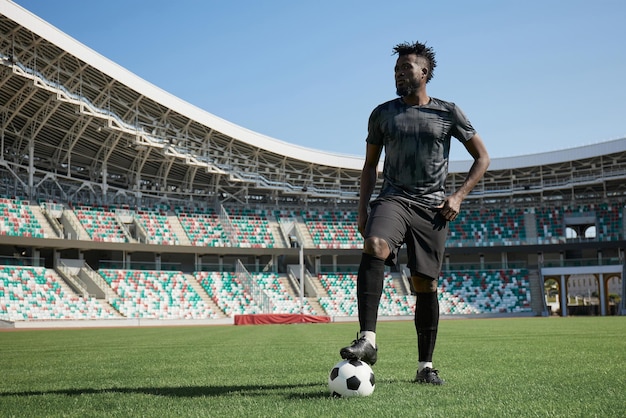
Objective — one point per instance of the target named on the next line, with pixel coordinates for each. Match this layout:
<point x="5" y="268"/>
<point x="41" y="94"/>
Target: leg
<point x="425" y="249"/>
<point x="426" y="317"/>
<point x="426" y="326"/>
<point x="369" y="288"/>
<point x="369" y="283"/>
<point x="383" y="235"/>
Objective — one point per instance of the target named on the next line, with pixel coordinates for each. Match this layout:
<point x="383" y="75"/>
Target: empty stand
<point x="460" y="292"/>
<point x="227" y="292"/>
<point x="100" y="224"/>
<point x="550" y="224"/>
<point x="231" y="296"/>
<point x="282" y="300"/>
<point x="333" y="229"/>
<point x="488" y="291"/>
<point x="203" y="228"/>
<point x="17" y="219"/>
<point x="341" y="299"/>
<point x="157" y="227"/>
<point x="36" y="293"/>
<point x="155" y="294"/>
<point x="488" y="226"/>
<point x="328" y="229"/>
<point x="250" y="228"/>
<point x="610" y="222"/>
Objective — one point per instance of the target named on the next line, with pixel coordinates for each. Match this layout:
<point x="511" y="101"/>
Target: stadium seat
<point x="250" y="228"/>
<point x="155" y="294"/>
<point x="36" y="293"/>
<point x="231" y="296"/>
<point x="157" y="226"/>
<point x="203" y="228"/>
<point x="341" y="299"/>
<point x="100" y="224"/>
<point x="460" y="293"/>
<point x="333" y="229"/>
<point x="17" y="219"/>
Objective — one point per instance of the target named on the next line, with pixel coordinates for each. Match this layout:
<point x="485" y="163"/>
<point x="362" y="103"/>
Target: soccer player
<point x="412" y="207"/>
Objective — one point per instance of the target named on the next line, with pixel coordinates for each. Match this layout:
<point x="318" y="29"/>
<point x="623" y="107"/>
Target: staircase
<point x="69" y="278"/>
<point x="315" y="304"/>
<point x="275" y="231"/>
<point x="303" y="232"/>
<point x="72" y="226"/>
<point x="530" y="225"/>
<point x="400" y="283"/>
<point x="321" y="292"/>
<point x="203" y="295"/>
<point x="312" y="300"/>
<point x="48" y="231"/>
<point x="178" y="230"/>
<point x="537" y="297"/>
<point x="67" y="289"/>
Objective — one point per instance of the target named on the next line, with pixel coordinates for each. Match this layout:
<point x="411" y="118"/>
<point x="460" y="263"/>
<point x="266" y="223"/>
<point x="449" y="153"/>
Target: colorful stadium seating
<point x="487" y="227"/>
<point x="157" y="226"/>
<point x="487" y="291"/>
<point x="231" y="296"/>
<point x="610" y="221"/>
<point x="250" y="228"/>
<point x="155" y="294"/>
<point x="282" y="300"/>
<point x="17" y="219"/>
<point x="32" y="293"/>
<point x="341" y="299"/>
<point x="333" y="229"/>
<point x="227" y="292"/>
<point x="466" y="292"/>
<point x="100" y="224"/>
<point x="36" y="293"/>
<point x="203" y="229"/>
<point x="341" y="289"/>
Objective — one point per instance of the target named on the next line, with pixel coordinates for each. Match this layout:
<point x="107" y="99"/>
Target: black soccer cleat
<point x="361" y="349"/>
<point x="430" y="376"/>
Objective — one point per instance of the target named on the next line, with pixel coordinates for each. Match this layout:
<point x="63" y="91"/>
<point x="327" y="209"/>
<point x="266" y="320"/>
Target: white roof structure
<point x="143" y="87"/>
<point x="74" y="124"/>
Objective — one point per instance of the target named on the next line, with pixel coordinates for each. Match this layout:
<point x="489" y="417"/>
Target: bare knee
<point x="423" y="284"/>
<point x="376" y="247"/>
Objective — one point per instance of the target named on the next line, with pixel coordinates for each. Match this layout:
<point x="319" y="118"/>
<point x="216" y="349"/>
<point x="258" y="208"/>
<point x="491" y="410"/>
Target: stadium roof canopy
<point x="75" y="126"/>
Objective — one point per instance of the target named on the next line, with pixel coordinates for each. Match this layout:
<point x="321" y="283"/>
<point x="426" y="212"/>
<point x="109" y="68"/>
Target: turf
<point x="569" y="367"/>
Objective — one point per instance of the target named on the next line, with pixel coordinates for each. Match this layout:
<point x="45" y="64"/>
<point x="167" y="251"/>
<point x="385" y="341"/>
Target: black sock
<point x="369" y="288"/>
<point x="426" y="324"/>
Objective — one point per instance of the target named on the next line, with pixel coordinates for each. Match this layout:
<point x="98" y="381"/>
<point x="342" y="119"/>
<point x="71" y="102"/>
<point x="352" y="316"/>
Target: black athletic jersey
<point x="416" y="142"/>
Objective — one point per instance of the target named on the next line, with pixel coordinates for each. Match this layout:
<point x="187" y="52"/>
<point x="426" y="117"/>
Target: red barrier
<point x="258" y="319"/>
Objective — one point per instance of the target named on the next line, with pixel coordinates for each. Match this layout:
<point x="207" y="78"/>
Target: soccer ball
<point x="351" y="378"/>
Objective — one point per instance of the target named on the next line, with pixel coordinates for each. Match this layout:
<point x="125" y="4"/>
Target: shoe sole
<point x="346" y="355"/>
<point x="425" y="382"/>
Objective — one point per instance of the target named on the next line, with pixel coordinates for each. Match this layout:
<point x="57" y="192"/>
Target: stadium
<point x="126" y="206"/>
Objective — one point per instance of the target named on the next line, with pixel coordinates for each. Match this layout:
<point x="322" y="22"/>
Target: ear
<point x="425" y="71"/>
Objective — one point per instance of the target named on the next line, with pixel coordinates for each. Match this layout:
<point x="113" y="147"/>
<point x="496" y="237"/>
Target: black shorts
<point x="423" y="229"/>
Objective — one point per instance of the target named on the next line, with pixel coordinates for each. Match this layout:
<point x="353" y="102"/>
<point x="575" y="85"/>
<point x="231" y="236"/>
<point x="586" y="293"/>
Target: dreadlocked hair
<point x="421" y="50"/>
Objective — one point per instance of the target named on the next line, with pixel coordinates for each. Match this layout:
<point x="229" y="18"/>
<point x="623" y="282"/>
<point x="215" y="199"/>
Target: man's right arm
<point x="369" y="175"/>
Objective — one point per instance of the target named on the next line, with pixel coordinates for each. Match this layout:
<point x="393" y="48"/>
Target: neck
<point x="418" y="99"/>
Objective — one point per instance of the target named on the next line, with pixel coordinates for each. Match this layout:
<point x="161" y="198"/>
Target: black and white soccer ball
<point x="351" y="378"/>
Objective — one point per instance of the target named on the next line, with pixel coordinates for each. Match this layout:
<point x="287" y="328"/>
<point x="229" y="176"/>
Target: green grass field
<point x="569" y="367"/>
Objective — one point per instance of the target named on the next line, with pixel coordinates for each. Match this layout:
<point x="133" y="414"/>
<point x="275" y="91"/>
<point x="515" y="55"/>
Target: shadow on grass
<point x="183" y="391"/>
<point x="308" y="391"/>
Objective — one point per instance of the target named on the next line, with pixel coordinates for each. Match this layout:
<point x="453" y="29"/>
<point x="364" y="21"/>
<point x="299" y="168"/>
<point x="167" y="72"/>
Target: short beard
<point x="408" y="90"/>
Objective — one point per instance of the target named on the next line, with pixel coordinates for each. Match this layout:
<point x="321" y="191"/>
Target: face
<point x="410" y="75"/>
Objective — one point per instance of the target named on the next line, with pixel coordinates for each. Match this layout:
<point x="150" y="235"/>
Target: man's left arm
<point x="476" y="148"/>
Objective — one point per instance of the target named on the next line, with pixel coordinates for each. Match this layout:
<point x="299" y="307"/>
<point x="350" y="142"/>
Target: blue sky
<point x="532" y="76"/>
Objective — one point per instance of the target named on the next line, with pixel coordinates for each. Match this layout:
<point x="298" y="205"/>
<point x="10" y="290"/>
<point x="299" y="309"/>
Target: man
<point x="415" y="131"/>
